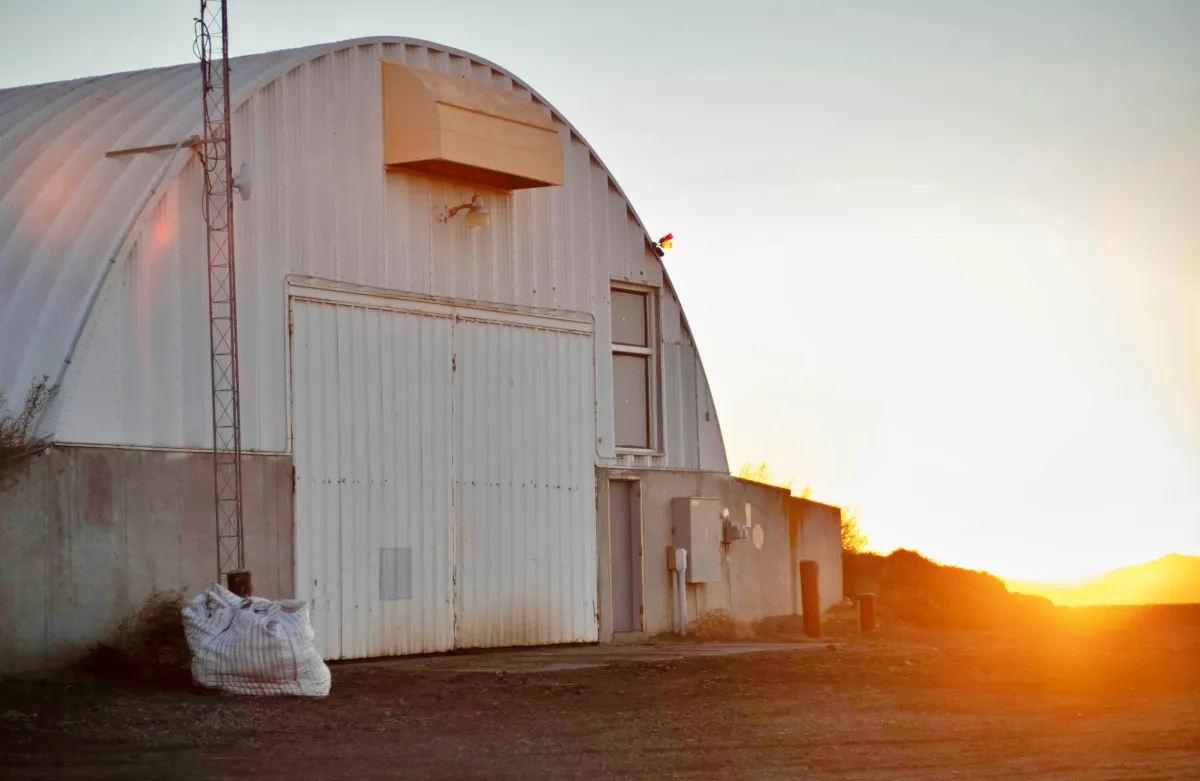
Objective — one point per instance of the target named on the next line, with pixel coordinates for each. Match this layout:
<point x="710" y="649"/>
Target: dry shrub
<point x="931" y="595"/>
<point x="717" y="625"/>
<point x="149" y="646"/>
<point x="18" y="438"/>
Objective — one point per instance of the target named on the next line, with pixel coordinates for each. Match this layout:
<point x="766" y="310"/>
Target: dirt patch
<point x="840" y="623"/>
<point x="779" y="629"/>
<point x="719" y="626"/>
<point x="1082" y="702"/>
<point x="148" y="647"/>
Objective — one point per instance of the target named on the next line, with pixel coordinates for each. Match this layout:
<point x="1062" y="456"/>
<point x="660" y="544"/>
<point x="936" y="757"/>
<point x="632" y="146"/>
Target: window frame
<point x="653" y="353"/>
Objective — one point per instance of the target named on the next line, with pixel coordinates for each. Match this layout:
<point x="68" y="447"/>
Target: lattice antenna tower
<point x="212" y="42"/>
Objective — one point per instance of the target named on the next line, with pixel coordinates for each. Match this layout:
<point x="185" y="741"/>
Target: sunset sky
<point x="942" y="259"/>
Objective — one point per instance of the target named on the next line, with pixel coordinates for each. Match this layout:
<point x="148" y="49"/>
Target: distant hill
<point x="927" y="594"/>
<point x="1171" y="580"/>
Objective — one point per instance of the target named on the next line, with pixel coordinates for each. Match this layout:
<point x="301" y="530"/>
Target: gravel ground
<point x="901" y="705"/>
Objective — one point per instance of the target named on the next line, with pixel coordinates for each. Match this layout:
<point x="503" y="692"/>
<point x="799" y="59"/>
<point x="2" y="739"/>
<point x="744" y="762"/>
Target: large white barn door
<point x="525" y="476"/>
<point x="445" y="476"/>
<point x="372" y="433"/>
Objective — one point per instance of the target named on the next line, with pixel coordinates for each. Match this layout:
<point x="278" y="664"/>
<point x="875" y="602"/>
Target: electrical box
<point x="699" y="529"/>
<point x="735" y="531"/>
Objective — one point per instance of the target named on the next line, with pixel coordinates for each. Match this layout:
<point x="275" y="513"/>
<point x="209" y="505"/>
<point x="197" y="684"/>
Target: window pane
<point x="629" y="318"/>
<point x="631" y="377"/>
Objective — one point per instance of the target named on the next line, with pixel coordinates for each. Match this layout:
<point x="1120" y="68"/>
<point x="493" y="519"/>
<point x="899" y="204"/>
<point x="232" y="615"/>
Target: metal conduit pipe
<point x="675" y="600"/>
<point x="683" y="611"/>
<point x="94" y="294"/>
<point x="679" y="591"/>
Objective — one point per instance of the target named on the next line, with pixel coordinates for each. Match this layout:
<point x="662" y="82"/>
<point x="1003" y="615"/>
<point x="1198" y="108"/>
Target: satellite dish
<point x="241" y="181"/>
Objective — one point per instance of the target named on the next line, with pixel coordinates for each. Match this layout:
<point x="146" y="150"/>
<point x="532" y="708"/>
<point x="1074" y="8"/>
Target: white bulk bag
<point x="253" y="645"/>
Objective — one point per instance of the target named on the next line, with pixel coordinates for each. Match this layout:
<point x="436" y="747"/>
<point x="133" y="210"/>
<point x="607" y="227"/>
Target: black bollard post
<point x="810" y="598"/>
<point x="866" y="612"/>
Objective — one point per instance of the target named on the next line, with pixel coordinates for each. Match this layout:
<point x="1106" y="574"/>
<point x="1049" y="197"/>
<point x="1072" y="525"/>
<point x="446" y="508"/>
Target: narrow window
<point x="634" y="368"/>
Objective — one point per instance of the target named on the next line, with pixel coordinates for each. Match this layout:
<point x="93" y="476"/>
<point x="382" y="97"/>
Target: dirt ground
<point x="901" y="705"/>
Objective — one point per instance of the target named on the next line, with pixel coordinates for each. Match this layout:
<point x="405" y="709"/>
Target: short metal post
<point x="810" y="598"/>
<point x="866" y="612"/>
<point x="239" y="583"/>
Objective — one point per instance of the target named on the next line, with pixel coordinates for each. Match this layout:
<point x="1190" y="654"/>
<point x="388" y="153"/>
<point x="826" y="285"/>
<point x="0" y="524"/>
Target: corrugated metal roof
<point x="306" y="120"/>
<point x="65" y="207"/>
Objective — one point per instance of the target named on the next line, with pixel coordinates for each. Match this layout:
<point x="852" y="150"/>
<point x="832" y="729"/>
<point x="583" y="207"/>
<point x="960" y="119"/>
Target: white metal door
<point x="445" y="476"/>
<point x="525" y="477"/>
<point x="371" y="396"/>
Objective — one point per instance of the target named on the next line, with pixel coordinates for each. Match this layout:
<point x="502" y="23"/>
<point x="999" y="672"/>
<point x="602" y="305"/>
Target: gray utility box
<point x="699" y="528"/>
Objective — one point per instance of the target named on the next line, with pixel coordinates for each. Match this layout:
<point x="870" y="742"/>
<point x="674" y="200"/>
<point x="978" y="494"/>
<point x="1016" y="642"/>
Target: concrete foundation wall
<point x="86" y="534"/>
<point x="819" y="530"/>
<point x="756" y="583"/>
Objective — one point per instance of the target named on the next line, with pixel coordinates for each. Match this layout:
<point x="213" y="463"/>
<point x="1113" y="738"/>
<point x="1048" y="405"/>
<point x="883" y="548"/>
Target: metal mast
<point x="212" y="34"/>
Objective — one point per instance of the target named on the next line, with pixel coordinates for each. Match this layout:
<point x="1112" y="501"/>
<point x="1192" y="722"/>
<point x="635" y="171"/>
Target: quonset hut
<point x="460" y="429"/>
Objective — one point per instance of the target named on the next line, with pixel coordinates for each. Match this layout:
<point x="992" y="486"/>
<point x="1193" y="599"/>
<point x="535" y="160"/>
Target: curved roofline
<point x="308" y="54"/>
<point x="311" y="53"/>
<point x="288" y="61"/>
<point x="320" y="50"/>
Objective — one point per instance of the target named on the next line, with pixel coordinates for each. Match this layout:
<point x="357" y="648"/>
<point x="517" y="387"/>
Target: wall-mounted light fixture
<point x="478" y="215"/>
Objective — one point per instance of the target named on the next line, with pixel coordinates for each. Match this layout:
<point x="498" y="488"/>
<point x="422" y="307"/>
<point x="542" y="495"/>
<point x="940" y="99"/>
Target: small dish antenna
<point x="241" y="181"/>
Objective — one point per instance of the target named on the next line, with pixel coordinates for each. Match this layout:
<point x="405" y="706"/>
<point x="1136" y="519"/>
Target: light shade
<point x="479" y="216"/>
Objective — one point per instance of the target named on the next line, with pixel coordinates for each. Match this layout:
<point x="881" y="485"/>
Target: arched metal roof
<point x="67" y="210"/>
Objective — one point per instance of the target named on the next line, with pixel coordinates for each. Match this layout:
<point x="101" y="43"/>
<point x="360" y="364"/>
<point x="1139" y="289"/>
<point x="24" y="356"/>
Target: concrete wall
<point x="757" y="583"/>
<point x="818" y="529"/>
<point x="86" y="534"/>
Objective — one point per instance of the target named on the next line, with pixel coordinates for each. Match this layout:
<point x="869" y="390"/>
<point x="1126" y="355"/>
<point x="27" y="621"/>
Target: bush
<point x="17" y="438"/>
<point x="149" y="646"/>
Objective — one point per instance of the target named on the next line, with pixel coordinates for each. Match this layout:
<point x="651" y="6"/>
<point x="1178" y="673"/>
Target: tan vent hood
<point x="449" y="126"/>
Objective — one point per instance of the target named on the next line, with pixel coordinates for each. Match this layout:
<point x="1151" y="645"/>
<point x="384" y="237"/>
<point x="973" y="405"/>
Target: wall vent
<point x="395" y="573"/>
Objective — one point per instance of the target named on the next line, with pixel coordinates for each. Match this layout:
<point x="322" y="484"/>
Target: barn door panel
<point x="525" y="477"/>
<point x="371" y="431"/>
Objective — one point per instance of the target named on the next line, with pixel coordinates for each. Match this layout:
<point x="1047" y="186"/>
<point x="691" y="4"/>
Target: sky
<point x="942" y="259"/>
